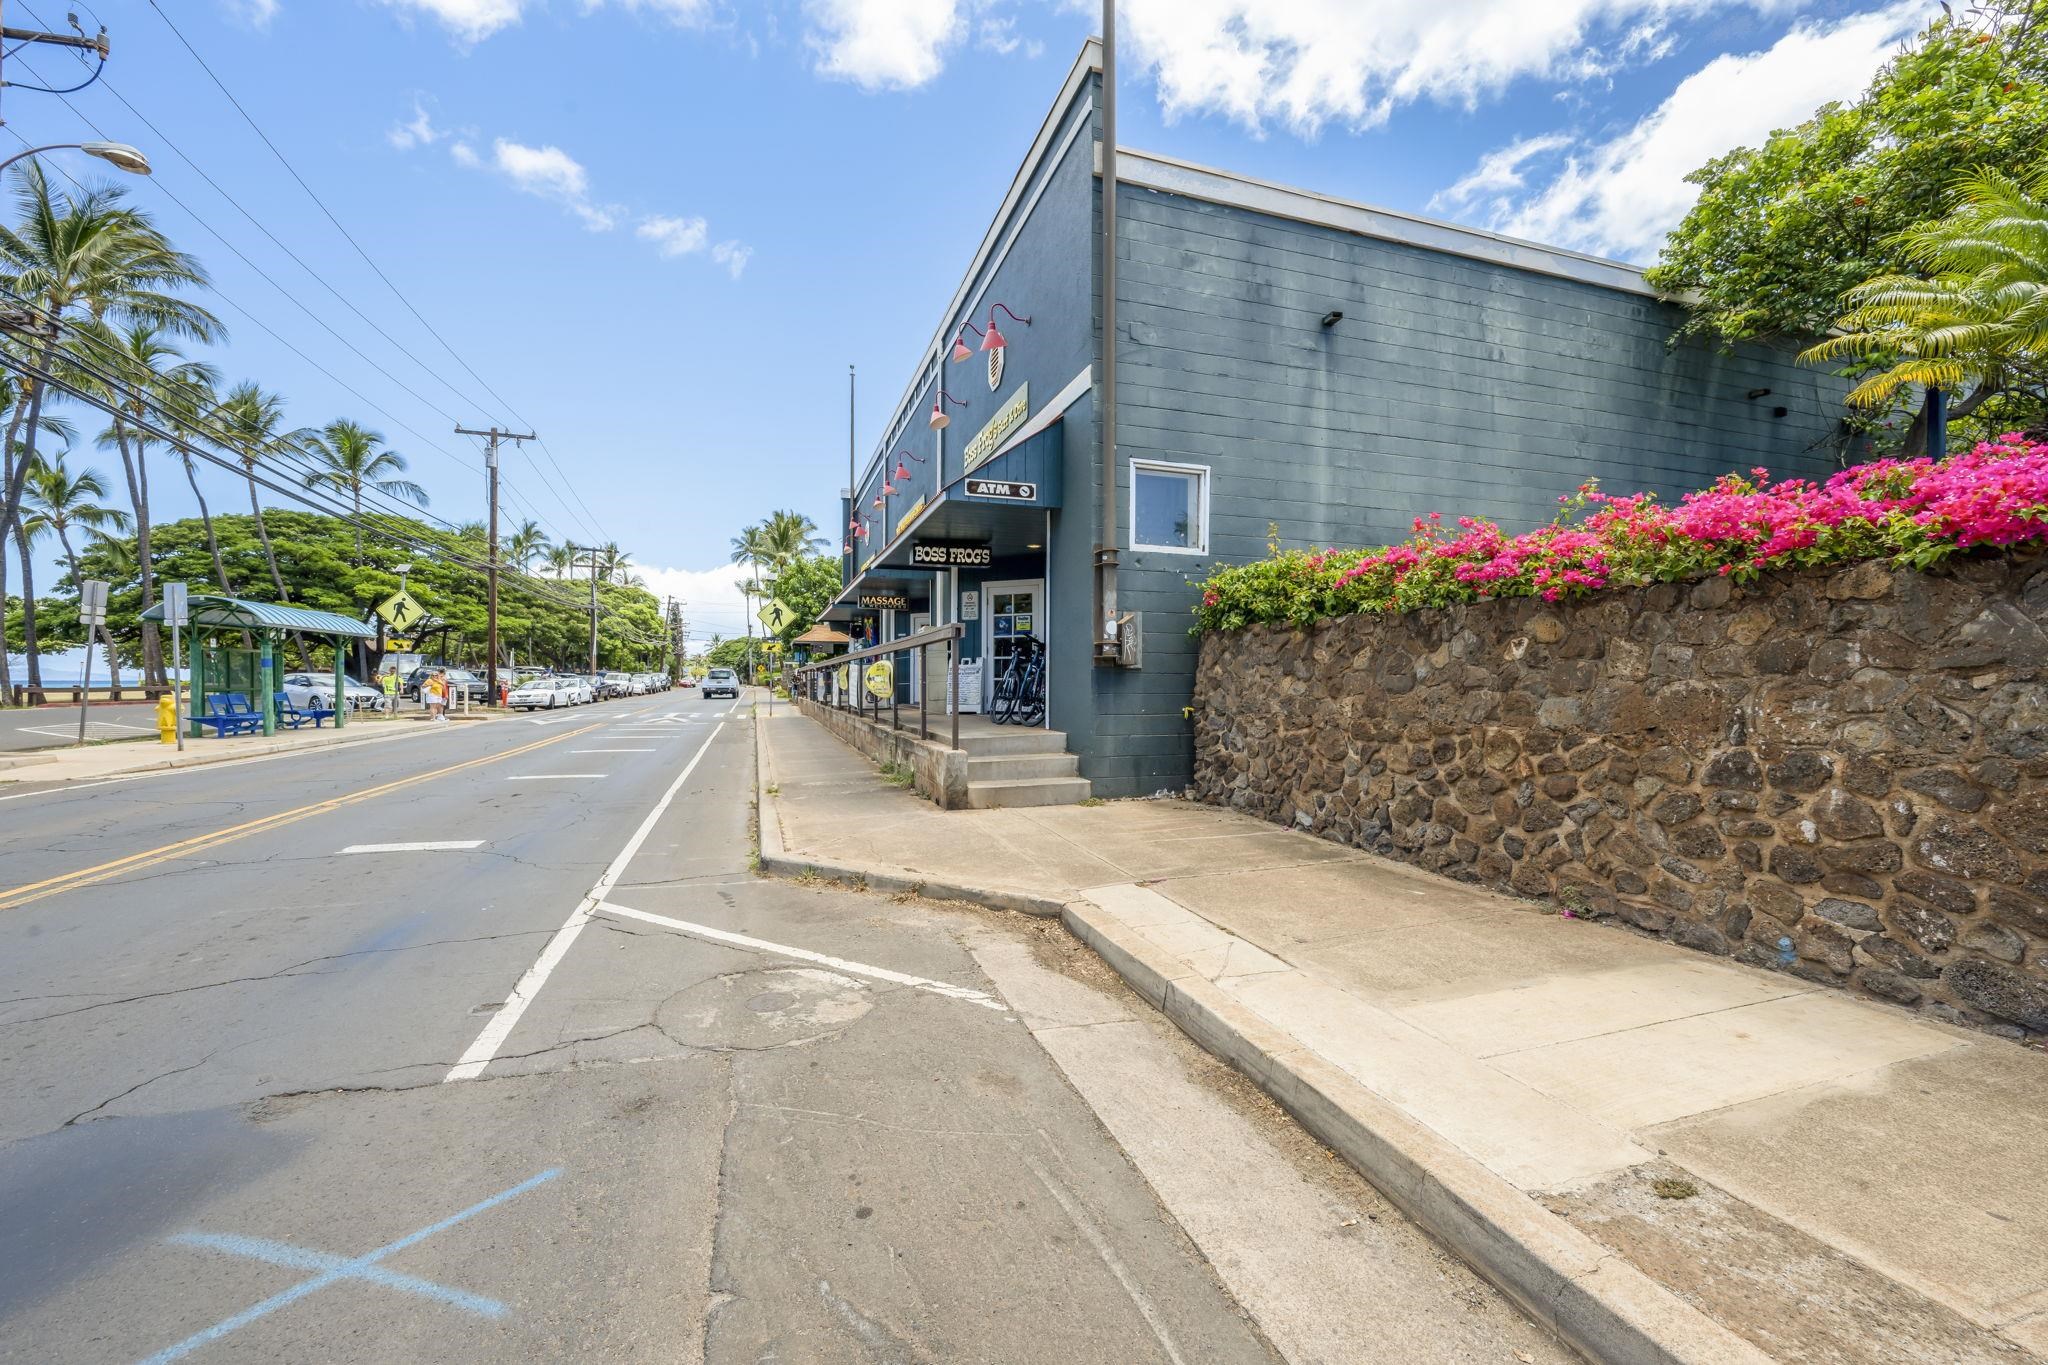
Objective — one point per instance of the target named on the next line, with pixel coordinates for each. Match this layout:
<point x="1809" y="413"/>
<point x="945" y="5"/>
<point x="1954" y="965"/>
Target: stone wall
<point x="1853" y="762"/>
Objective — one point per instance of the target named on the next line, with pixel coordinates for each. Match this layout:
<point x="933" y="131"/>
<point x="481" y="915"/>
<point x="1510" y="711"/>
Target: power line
<point x="398" y="293"/>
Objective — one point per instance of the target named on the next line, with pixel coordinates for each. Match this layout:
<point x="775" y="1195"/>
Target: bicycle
<point x="1020" y="691"/>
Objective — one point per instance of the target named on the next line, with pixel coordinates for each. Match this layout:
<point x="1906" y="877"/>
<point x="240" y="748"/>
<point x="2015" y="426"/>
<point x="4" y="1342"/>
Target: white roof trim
<point x="1171" y="176"/>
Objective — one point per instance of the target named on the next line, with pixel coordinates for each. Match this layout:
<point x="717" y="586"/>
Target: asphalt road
<point x="487" y="1045"/>
<point x="46" y="727"/>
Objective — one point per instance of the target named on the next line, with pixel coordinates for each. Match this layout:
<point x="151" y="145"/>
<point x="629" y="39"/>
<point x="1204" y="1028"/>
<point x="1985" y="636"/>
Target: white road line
<point x="611" y="751"/>
<point x="840" y="964"/>
<point x="425" y="846"/>
<point x="472" y="1063"/>
<point x="551" y="777"/>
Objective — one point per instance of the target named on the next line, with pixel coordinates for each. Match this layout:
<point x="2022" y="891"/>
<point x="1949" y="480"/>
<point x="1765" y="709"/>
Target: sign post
<point x="92" y="612"/>
<point x="177" y="611"/>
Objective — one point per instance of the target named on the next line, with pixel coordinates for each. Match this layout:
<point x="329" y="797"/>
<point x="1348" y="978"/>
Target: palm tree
<point x="789" y="536"/>
<point x="612" y="562"/>
<point x="353" y="457"/>
<point x="192" y="403"/>
<point x="93" y="255"/>
<point x="527" y="543"/>
<point x="25" y="538"/>
<point x="59" y="500"/>
<point x="254" y="424"/>
<point x="751" y="547"/>
<point x="148" y="372"/>
<point x="559" y="560"/>
<point x="1978" y="324"/>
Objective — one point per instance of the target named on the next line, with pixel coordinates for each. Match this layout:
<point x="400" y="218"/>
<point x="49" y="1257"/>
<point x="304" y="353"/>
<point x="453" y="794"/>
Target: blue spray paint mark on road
<point x="333" y="1269"/>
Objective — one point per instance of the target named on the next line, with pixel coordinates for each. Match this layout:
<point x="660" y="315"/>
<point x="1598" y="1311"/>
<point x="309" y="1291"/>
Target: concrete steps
<point x="992" y="742"/>
<point x="1029" y="791"/>
<point x="1021" y="767"/>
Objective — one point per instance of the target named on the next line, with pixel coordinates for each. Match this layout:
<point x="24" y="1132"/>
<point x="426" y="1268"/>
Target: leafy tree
<point x="1782" y="232"/>
<point x="807" y="586"/>
<point x="349" y="458"/>
<point x="1976" y="324"/>
<point x="559" y="560"/>
<point x="540" y="620"/>
<point x="788" y="536"/>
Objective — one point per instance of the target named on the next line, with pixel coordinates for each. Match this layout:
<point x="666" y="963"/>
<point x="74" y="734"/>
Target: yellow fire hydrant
<point x="166" y="719"/>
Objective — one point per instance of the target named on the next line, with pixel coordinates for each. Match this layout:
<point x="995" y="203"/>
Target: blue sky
<point x="662" y="229"/>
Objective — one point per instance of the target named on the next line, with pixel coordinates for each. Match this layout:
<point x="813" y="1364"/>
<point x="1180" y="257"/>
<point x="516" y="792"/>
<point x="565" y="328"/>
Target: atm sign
<point x="1008" y="490"/>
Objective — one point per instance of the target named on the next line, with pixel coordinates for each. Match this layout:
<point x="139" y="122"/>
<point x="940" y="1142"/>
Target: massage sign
<point x="949" y="554"/>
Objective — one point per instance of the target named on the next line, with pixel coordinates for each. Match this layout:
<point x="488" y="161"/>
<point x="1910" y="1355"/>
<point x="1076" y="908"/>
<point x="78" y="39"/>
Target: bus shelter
<point x="220" y="668"/>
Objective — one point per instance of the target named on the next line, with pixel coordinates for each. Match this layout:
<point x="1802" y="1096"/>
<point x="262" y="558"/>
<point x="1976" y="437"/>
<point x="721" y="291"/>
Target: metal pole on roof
<point x="1105" y="541"/>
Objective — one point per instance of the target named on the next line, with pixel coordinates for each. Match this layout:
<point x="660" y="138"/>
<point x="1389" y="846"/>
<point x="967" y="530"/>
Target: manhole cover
<point x="769" y="1008"/>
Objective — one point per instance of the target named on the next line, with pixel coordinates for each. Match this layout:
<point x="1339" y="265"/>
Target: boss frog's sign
<point x="949" y="554"/>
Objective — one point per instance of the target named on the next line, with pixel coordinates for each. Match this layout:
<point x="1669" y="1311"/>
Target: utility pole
<point x="491" y="438"/>
<point x="574" y="549"/>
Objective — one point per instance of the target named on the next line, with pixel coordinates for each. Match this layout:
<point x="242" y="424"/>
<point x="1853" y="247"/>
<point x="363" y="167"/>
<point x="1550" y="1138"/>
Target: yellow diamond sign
<point x="775" y="614"/>
<point x="401" y="611"/>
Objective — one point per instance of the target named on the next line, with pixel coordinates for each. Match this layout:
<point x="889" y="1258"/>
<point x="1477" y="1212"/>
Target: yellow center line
<point x="69" y="881"/>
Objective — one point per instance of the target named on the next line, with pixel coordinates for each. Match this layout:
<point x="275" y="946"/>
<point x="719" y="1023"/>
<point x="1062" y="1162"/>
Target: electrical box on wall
<point x="1130" y="641"/>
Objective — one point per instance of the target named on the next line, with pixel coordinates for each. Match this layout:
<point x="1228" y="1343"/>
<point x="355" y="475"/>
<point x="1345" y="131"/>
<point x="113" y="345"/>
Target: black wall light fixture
<point x="1332" y="318"/>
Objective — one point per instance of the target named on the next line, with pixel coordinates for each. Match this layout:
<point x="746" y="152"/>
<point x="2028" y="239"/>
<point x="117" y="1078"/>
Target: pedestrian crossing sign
<point x="775" y="614"/>
<point x="401" y="611"/>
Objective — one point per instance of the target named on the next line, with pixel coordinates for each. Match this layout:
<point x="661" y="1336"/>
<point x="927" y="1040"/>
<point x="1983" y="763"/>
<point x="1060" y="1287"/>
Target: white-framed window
<point x="1169" y="507"/>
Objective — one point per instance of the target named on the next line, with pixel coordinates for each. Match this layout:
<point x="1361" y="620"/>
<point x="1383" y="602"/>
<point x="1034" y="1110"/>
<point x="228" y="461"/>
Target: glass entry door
<point x="1010" y="610"/>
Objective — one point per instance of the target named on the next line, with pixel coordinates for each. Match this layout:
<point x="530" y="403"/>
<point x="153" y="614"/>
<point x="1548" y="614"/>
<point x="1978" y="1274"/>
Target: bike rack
<point x="824" y="687"/>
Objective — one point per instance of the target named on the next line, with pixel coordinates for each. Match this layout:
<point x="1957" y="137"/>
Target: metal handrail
<point x="931" y="635"/>
<point x="949" y="635"/>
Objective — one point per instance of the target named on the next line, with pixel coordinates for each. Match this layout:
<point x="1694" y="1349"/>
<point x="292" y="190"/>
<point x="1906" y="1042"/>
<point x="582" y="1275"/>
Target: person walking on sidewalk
<point x="437" y="695"/>
<point x="390" y="684"/>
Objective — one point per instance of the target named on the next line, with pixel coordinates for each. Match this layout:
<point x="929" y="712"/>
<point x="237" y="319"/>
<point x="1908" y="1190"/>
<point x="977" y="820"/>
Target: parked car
<point x="316" y="690"/>
<point x="613" y="684"/>
<point x="722" y="682"/>
<point x="545" y="693"/>
<point x="580" y="687"/>
<point x="460" y="682"/>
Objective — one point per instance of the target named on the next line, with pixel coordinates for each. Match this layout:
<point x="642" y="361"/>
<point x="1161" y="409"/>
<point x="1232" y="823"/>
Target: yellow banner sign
<point x="1007" y="420"/>
<point x="909" y="516"/>
<point x="881" y="679"/>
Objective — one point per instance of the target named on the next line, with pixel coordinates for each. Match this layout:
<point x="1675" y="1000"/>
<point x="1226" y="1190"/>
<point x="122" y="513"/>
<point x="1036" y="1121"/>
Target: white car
<point x="581" y="690"/>
<point x="315" y="691"/>
<point x="543" y="693"/>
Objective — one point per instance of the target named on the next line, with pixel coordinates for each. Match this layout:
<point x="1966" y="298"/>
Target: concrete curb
<point x="1601" y="1306"/>
<point x="199" y="760"/>
<point x="777" y="861"/>
<point x="1598" y="1304"/>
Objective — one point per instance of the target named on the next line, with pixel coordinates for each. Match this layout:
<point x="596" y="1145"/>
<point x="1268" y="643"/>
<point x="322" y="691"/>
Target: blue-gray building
<point x="1285" y="362"/>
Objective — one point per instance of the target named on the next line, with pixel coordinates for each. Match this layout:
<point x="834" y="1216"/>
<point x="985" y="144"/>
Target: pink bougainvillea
<point x="1909" y="512"/>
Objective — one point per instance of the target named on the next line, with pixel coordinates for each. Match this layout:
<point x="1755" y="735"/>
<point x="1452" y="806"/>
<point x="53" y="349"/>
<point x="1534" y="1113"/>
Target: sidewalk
<point x="95" y="762"/>
<point x="1851" y="1182"/>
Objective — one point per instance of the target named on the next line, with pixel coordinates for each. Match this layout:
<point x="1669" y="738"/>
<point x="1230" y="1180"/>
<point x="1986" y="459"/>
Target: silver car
<point x="315" y="692"/>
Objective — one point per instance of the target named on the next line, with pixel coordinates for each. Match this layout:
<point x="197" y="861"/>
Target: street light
<point x="119" y="155"/>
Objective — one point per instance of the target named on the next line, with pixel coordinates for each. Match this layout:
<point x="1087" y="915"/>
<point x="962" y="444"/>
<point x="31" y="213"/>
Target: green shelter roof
<point x="235" y="613"/>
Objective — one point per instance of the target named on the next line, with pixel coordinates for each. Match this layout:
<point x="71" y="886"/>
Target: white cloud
<point x="417" y="131"/>
<point x="470" y="20"/>
<point x="884" y="44"/>
<point x="254" y="13"/>
<point x="1499" y="170"/>
<point x="546" y="172"/>
<point x="465" y="155"/>
<point x="733" y="256"/>
<point x="1621" y="196"/>
<point x="674" y="236"/>
<point x="711" y="598"/>
<point x="1309" y="63"/>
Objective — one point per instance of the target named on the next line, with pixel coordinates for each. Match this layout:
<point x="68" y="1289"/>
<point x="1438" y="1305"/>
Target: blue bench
<point x="293" y="716"/>
<point x="229" y="713"/>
